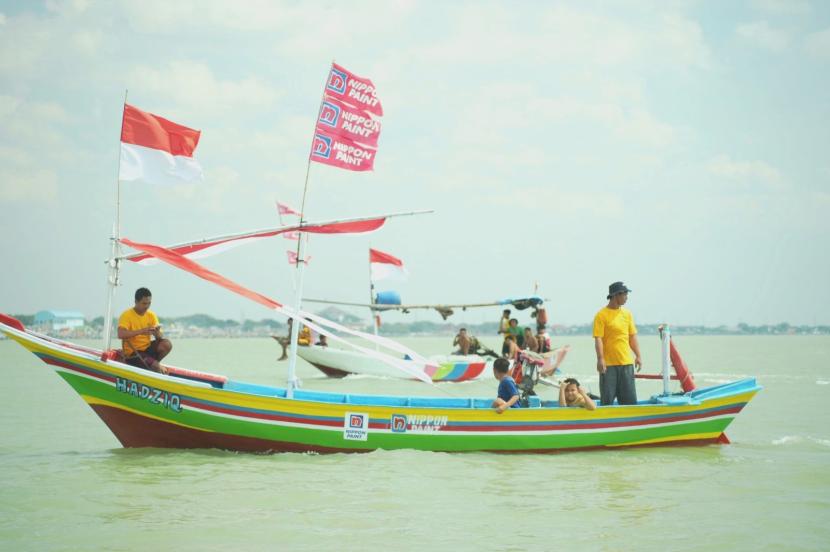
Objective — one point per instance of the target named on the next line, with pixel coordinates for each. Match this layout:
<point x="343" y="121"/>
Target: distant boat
<point x="338" y="363"/>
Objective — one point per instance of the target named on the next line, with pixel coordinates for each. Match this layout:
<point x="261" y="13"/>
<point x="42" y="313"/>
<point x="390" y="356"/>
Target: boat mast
<point x="665" y="340"/>
<point x="372" y="312"/>
<point x="293" y="382"/>
<point x="114" y="262"/>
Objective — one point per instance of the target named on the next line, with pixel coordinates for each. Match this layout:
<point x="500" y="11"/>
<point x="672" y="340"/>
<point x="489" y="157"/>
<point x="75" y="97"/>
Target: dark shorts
<point x="145" y="358"/>
<point x="618" y="383"/>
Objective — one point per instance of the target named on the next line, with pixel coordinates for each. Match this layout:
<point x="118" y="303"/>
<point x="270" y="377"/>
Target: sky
<point x="681" y="147"/>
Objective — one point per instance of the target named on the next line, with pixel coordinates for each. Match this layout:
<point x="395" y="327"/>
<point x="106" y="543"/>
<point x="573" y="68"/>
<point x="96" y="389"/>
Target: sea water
<point x="68" y="485"/>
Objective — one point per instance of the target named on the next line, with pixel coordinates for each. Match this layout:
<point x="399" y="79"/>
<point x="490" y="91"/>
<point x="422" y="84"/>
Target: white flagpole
<point x="372" y="312"/>
<point x="114" y="262"/>
<point x="293" y="382"/>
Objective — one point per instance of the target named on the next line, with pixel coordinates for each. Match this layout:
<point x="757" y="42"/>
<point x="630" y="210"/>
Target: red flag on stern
<point x="383" y="265"/>
<point x="157" y="151"/>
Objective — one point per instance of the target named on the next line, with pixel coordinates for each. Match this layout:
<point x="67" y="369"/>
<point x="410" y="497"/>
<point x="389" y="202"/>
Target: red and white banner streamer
<point x="340" y="152"/>
<point x="360" y="92"/>
<point x="344" y="120"/>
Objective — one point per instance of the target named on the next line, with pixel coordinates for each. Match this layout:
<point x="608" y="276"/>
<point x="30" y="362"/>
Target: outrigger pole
<point x="114" y="262"/>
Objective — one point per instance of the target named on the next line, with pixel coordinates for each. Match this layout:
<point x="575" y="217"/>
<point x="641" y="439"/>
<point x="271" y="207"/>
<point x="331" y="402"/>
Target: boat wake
<point x="788" y="440"/>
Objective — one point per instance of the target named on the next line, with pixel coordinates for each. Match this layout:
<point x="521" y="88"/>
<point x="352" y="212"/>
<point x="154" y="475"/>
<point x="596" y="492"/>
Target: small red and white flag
<point x="293" y="259"/>
<point x="357" y="91"/>
<point x="384" y="266"/>
<point x="294" y="236"/>
<point x="284" y="209"/>
<point x="157" y="151"/>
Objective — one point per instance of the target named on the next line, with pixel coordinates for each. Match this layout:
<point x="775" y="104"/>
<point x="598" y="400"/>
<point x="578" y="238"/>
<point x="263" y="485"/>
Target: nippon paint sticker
<point x="355" y="426"/>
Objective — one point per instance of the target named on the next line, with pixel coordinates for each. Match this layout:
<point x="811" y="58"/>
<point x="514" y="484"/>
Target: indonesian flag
<point x="157" y="151"/>
<point x="384" y="266"/>
<point x="357" y="91"/>
<point x="344" y="120"/>
<point x="337" y="151"/>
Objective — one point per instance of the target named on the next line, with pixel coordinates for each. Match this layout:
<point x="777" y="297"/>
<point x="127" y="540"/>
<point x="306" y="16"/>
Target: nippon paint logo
<point x="337" y="81"/>
<point x="322" y="146"/>
<point x="330" y="114"/>
<point x="356" y="426"/>
<point x="398" y="423"/>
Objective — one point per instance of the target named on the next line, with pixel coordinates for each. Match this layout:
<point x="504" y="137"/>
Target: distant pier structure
<point x="58" y="320"/>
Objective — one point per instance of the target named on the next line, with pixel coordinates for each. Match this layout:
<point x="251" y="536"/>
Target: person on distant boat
<point x="510" y="350"/>
<point x="285" y="341"/>
<point x="508" y="393"/>
<point x="463" y="342"/>
<point x="304" y="339"/>
<point x="530" y="341"/>
<point x="514" y="330"/>
<point x="136" y="326"/>
<point x="572" y="394"/>
<point x="615" y="336"/>
<point x="504" y="323"/>
<point x="322" y="341"/>
<point x="543" y="339"/>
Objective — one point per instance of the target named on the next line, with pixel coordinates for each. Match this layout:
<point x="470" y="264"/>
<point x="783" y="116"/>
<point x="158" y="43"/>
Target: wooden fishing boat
<point x="191" y="409"/>
<point x="338" y="363"/>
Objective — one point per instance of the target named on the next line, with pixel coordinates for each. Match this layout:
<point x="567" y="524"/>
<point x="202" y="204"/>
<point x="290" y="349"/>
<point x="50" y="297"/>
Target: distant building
<point x="57" y="321"/>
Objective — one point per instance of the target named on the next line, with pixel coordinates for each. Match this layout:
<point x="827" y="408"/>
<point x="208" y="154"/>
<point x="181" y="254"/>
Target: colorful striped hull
<point x="144" y="409"/>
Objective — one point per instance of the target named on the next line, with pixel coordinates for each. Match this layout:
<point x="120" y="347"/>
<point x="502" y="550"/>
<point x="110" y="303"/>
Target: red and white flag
<point x="357" y="91"/>
<point x="293" y="259"/>
<point x="344" y="120"/>
<point x="330" y="149"/>
<point x="294" y="236"/>
<point x="384" y="266"/>
<point x="284" y="209"/>
<point x="157" y="151"/>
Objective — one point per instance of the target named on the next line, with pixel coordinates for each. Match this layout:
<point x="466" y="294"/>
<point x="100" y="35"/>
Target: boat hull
<point x="338" y="363"/>
<point x="145" y="409"/>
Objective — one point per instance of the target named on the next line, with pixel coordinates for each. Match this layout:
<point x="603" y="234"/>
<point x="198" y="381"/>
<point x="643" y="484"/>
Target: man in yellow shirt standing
<point x="135" y="327"/>
<point x="615" y="336"/>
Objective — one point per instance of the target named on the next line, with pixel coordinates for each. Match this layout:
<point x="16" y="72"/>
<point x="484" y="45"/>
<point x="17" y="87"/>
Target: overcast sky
<point x="682" y="147"/>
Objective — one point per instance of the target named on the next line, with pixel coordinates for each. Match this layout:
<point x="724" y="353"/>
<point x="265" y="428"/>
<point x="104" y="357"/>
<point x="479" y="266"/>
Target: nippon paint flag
<point x="337" y="151"/>
<point x="344" y="120"/>
<point x="357" y="91"/>
<point x="384" y="266"/>
<point x="293" y="259"/>
<point x="157" y="151"/>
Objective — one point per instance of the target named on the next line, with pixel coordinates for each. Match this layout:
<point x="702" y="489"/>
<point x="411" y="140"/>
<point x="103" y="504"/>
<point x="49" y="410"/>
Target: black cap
<point x="616" y="288"/>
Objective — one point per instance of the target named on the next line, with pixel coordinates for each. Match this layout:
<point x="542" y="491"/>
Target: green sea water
<point x="68" y="485"/>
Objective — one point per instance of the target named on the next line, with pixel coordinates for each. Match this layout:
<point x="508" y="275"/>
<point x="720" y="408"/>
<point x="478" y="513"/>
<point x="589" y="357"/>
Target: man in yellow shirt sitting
<point x="615" y="336"/>
<point x="135" y="328"/>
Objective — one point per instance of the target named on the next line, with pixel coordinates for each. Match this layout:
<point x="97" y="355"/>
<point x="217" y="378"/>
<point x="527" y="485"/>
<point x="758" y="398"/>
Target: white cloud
<point x="818" y="43"/>
<point x="2" y="18"/>
<point x="762" y="35"/>
<point x="192" y="85"/>
<point x="749" y="172"/>
<point x="783" y="7"/>
<point x="26" y="184"/>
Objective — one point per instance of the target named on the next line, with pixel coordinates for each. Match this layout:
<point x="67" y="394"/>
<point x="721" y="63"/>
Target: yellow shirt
<point x="615" y="326"/>
<point x="130" y="320"/>
<point x="305" y="336"/>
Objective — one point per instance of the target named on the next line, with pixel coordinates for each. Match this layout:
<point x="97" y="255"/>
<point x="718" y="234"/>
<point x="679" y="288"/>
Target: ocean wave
<point x="801" y="439"/>
<point x="822" y="382"/>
